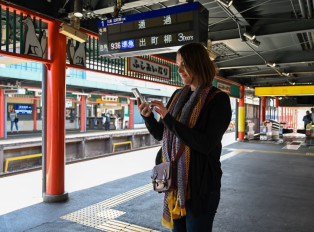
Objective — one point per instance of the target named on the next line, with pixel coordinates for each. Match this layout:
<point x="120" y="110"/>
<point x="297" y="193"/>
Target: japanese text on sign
<point x="144" y="66"/>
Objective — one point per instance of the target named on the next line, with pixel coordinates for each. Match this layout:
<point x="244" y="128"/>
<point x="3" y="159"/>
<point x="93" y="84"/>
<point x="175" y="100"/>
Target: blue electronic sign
<point x="23" y="109"/>
<point x="150" y="14"/>
<point x="157" y="31"/>
<point x="125" y="44"/>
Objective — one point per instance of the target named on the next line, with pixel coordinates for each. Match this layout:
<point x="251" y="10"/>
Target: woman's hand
<point x="143" y="108"/>
<point x="159" y="108"/>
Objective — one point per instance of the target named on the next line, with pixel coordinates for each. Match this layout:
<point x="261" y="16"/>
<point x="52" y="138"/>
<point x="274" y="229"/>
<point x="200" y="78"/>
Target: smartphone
<point x="137" y="94"/>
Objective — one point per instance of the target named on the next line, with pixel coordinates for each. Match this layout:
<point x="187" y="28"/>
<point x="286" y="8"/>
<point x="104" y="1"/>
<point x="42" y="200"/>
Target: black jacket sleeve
<point x="156" y="128"/>
<point x="210" y="127"/>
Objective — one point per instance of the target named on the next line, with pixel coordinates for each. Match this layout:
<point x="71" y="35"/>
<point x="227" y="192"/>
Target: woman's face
<point x="186" y="78"/>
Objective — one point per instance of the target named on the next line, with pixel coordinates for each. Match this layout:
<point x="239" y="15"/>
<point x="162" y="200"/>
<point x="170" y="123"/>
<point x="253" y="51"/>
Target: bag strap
<point x="179" y="153"/>
<point x="209" y="98"/>
<point x="212" y="95"/>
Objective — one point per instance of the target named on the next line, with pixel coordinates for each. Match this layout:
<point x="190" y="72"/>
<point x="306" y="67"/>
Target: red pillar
<point x="263" y="108"/>
<point x="2" y="114"/>
<point x="35" y="114"/>
<point x="83" y="107"/>
<point x="55" y="138"/>
<point x="284" y="116"/>
<point x="131" y="106"/>
<point x="289" y="116"/>
<point x="277" y="109"/>
<point x="241" y="115"/>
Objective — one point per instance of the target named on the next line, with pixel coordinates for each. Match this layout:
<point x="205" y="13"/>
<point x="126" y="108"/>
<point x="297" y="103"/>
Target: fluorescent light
<point x="84" y="94"/>
<point x="78" y="14"/>
<point x="249" y="35"/>
<point x="35" y="90"/>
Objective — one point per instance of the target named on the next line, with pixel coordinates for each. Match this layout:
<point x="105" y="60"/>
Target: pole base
<point x="55" y="198"/>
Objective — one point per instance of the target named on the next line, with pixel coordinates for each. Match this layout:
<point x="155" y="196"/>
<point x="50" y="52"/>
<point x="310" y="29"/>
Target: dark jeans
<point x="202" y="222"/>
<point x="16" y="126"/>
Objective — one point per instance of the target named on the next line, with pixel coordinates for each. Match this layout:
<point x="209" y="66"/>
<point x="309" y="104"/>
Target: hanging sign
<point x="144" y="66"/>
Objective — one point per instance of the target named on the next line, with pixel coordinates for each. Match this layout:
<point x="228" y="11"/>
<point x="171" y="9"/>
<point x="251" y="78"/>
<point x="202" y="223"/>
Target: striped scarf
<point x="187" y="112"/>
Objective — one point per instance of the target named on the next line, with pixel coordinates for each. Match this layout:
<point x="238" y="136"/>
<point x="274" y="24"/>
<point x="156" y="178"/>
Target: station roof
<point x="284" y="30"/>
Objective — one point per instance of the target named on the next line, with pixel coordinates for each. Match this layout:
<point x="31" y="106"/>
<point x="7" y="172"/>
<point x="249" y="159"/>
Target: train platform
<point x="265" y="187"/>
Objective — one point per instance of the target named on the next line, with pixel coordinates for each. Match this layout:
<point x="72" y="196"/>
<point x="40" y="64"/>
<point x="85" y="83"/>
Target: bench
<point x="121" y="143"/>
<point x="7" y="160"/>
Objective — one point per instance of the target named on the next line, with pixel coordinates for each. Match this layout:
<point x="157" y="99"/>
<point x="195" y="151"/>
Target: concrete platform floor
<point x="265" y="187"/>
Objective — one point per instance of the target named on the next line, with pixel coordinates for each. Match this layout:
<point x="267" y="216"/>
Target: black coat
<point x="205" y="143"/>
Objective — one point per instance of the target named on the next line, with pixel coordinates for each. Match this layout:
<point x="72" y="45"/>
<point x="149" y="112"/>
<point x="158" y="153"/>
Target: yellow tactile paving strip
<point x="100" y="216"/>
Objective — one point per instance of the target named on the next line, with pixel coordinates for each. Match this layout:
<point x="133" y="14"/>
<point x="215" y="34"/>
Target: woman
<point x="197" y="116"/>
<point x="14" y="120"/>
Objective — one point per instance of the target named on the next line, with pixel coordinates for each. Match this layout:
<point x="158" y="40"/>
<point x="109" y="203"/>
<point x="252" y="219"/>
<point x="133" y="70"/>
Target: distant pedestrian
<point x="307" y="119"/>
<point x="14" y="120"/>
<point x="106" y="120"/>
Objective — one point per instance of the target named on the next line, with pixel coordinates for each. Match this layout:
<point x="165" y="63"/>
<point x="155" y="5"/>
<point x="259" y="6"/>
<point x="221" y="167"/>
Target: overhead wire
<point x="240" y="12"/>
<point x="235" y="19"/>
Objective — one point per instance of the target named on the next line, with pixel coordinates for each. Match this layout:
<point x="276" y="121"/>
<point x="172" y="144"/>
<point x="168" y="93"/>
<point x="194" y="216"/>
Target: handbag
<point x="164" y="175"/>
<point x="16" y="120"/>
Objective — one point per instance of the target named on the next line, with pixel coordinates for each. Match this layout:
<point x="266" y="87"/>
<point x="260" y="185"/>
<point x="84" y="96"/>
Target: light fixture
<point x="249" y="36"/>
<point x="73" y="33"/>
<point x="287" y="74"/>
<point x="226" y="3"/>
<point x="78" y="14"/>
<point x="270" y="64"/>
<point x="212" y="55"/>
<point x="255" y="42"/>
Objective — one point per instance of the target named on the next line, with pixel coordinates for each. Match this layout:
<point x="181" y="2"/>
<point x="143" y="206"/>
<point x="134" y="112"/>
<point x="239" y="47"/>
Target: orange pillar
<point x="83" y="110"/>
<point x="131" y="106"/>
<point x="35" y="114"/>
<point x="241" y="115"/>
<point x="263" y="108"/>
<point x="55" y="138"/>
<point x="3" y="120"/>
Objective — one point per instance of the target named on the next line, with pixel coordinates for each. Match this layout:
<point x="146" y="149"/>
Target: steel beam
<point x="266" y="30"/>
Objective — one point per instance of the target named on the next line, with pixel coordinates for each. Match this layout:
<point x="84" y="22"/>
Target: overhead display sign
<point x="153" y="32"/>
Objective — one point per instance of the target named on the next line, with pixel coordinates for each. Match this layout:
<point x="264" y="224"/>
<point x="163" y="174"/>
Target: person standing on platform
<point x="14" y="120"/>
<point x="195" y="118"/>
<point x="106" y="120"/>
<point x="307" y="119"/>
